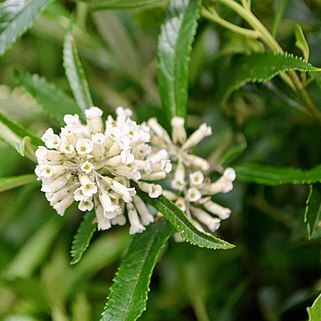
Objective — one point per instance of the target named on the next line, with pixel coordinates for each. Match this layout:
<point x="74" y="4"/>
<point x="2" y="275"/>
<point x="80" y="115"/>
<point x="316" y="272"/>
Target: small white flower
<point x="193" y="194"/>
<point x="86" y="205"/>
<point x="84" y="146"/>
<point x="196" y="178"/>
<point x="72" y="120"/>
<point x="87" y="167"/>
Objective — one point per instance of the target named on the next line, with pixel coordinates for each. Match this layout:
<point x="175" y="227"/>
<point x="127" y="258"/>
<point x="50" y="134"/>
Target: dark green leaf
<point x="75" y="73"/>
<point x="19" y="129"/>
<point x="315" y="311"/>
<point x="313" y="212"/>
<point x="83" y="236"/>
<point x="183" y="225"/>
<point x="259" y="67"/>
<point x="7" y="183"/>
<point x="123" y="4"/>
<point x="128" y="294"/>
<point x="273" y="176"/>
<point x="174" y="48"/>
<point x="54" y="102"/>
<point x="14" y="25"/>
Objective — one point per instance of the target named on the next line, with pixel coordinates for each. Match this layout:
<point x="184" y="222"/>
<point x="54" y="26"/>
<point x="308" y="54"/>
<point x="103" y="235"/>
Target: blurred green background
<point x="274" y="272"/>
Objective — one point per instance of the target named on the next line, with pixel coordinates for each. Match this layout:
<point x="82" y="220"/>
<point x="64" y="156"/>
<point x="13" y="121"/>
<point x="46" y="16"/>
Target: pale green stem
<point x="292" y="78"/>
<point x="200" y="309"/>
<point x="211" y="14"/>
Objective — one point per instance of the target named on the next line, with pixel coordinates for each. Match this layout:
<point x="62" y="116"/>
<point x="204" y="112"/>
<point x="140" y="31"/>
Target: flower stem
<point x="291" y="78"/>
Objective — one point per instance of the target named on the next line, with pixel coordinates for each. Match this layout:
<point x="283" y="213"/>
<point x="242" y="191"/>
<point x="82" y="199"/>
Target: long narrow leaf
<point x="83" y="236"/>
<point x="174" y="48"/>
<point x="7" y="183"/>
<point x="183" y="225"/>
<point x="273" y="176"/>
<point x="75" y="73"/>
<point x="123" y="4"/>
<point x="313" y="212"/>
<point x="128" y="294"/>
<point x="259" y="67"/>
<point x="19" y="130"/>
<point x="32" y="254"/>
<point x="20" y="23"/>
<point x="54" y="101"/>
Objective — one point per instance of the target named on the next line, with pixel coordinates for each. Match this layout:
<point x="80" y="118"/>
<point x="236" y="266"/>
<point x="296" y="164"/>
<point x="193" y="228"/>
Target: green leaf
<point x="83" y="236"/>
<point x="75" y="72"/>
<point x="301" y="42"/>
<point x="33" y="252"/>
<point x="174" y="49"/>
<point x="7" y="183"/>
<point x="19" y="130"/>
<point x="183" y="225"/>
<point x="123" y="4"/>
<point x="19" y="22"/>
<point x="259" y="67"/>
<point x="315" y="311"/>
<point x="313" y="212"/>
<point x="128" y="294"/>
<point x="273" y="176"/>
<point x="54" y="102"/>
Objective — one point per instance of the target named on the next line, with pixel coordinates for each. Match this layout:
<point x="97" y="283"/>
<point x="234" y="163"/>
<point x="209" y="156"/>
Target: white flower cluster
<point x="96" y="164"/>
<point x="191" y="191"/>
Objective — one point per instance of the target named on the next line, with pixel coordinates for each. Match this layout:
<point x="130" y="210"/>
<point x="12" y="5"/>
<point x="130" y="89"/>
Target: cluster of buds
<point x="99" y="165"/>
<point x="191" y="190"/>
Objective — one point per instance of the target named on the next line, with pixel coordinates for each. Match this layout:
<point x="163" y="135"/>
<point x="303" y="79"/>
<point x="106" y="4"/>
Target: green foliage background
<point x="261" y="128"/>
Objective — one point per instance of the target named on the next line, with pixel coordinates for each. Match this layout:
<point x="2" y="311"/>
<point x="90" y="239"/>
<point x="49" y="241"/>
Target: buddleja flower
<point x="96" y="164"/>
<point x="191" y="190"/>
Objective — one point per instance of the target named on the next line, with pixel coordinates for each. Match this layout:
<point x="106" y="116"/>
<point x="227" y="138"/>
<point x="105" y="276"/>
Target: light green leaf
<point x="75" y="72"/>
<point x="54" y="102"/>
<point x="125" y="53"/>
<point x="313" y="212"/>
<point x="315" y="311"/>
<point x="273" y="176"/>
<point x="104" y="251"/>
<point x="301" y="42"/>
<point x="174" y="49"/>
<point x="19" y="22"/>
<point x="32" y="254"/>
<point x="259" y="67"/>
<point x="83" y="236"/>
<point x="123" y="4"/>
<point x="128" y="294"/>
<point x="7" y="183"/>
<point x="183" y="225"/>
<point x="19" y="130"/>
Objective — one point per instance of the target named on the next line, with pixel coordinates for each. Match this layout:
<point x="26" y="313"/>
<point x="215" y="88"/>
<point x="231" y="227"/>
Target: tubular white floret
<point x="203" y="131"/>
<point x="103" y="222"/>
<point x="142" y="209"/>
<point x="178" y="130"/>
<point x="222" y="212"/>
<point x="210" y="222"/>
<point x="135" y="225"/>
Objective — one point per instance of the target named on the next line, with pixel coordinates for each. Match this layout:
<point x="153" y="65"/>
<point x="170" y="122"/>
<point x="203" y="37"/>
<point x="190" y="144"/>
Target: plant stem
<point x="291" y="78"/>
<point x="200" y="310"/>
<point x="211" y="14"/>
